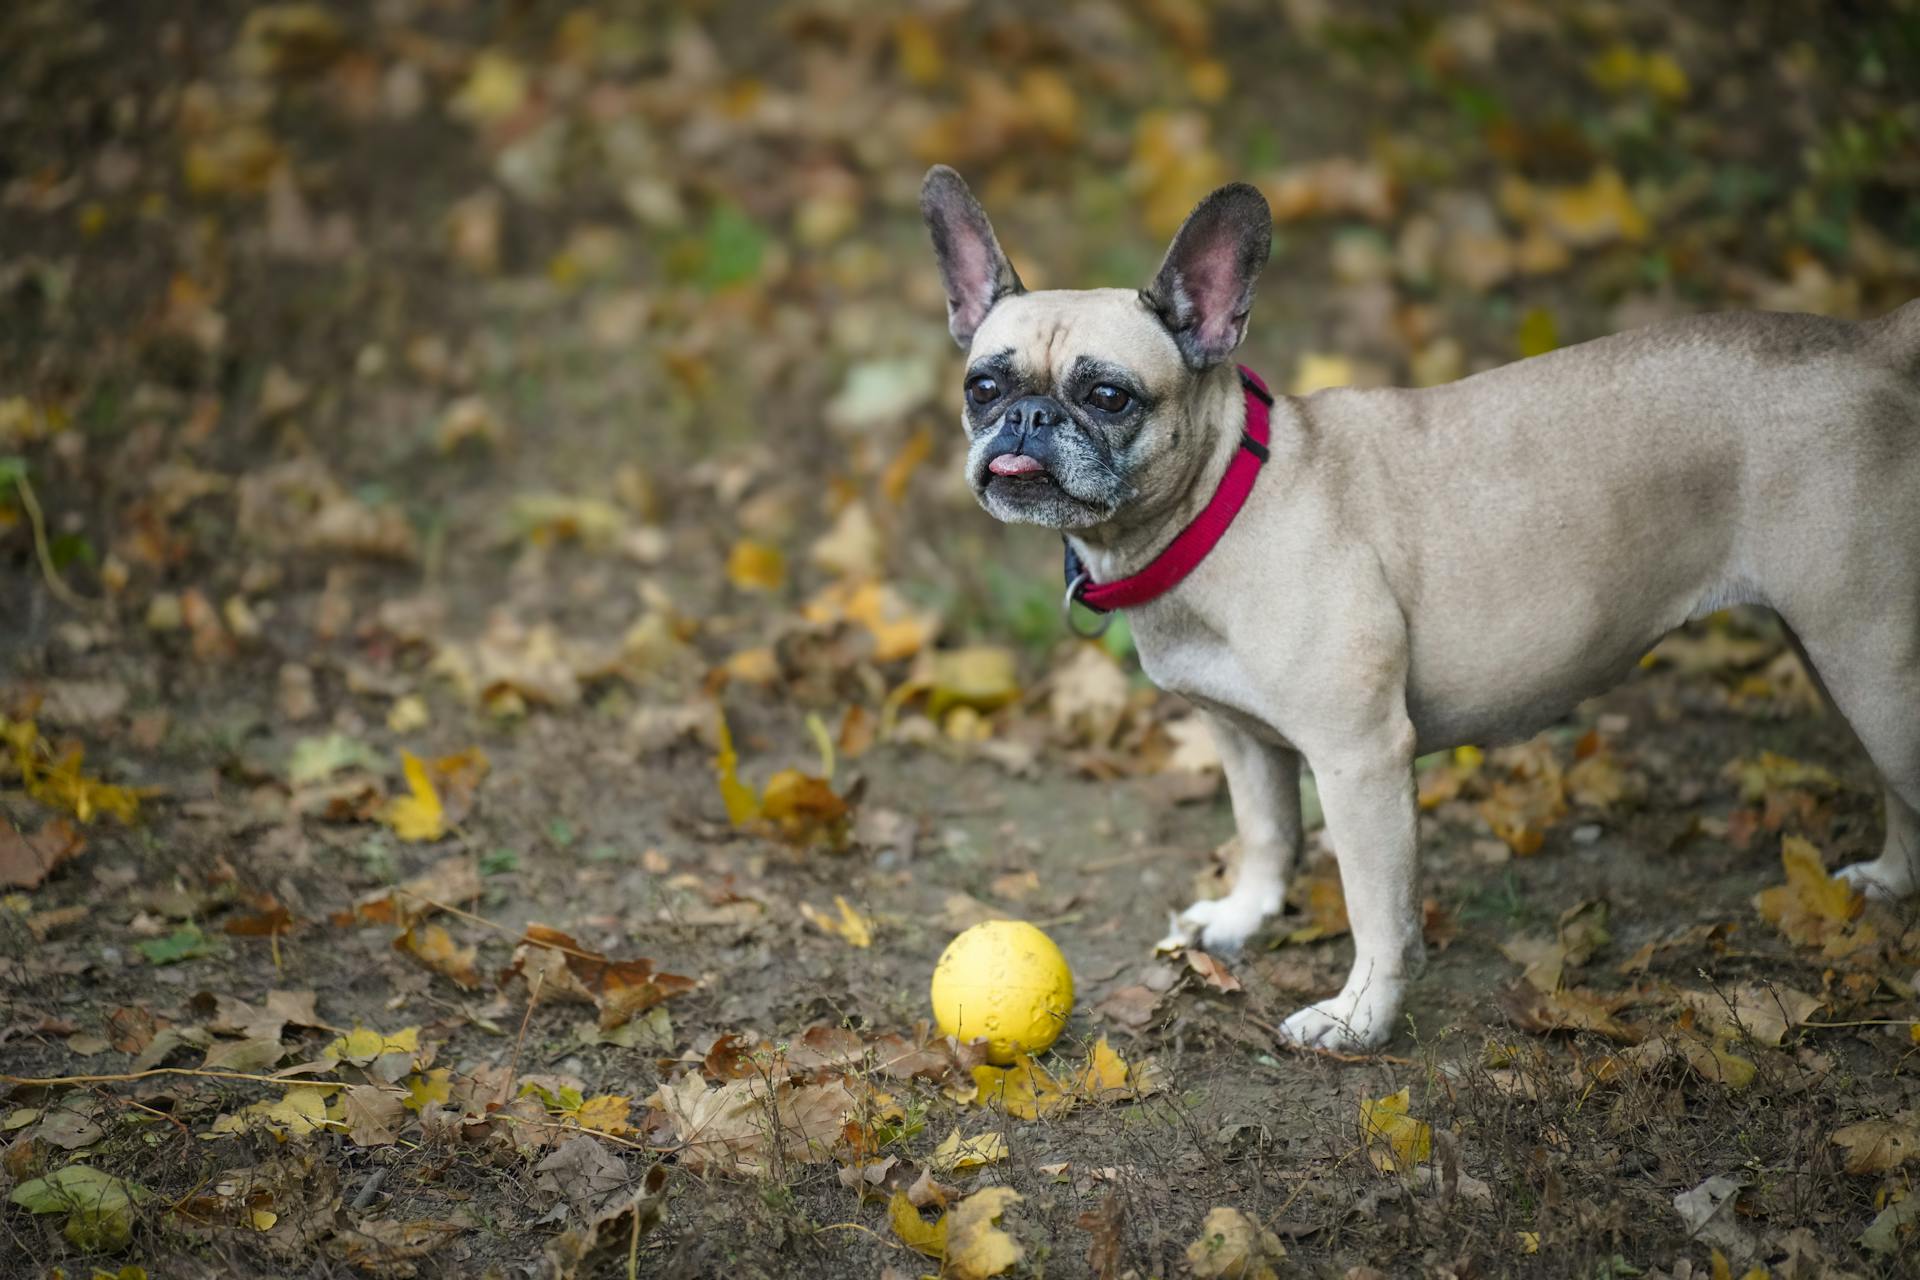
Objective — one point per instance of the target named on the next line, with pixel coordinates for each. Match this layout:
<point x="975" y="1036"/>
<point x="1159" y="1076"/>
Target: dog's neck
<point x="1129" y="541"/>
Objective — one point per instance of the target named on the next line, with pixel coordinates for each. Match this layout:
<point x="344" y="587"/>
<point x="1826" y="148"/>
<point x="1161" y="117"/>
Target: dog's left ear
<point x="1204" y="289"/>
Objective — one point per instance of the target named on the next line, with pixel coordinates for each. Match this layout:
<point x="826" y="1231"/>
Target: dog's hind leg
<point x="1875" y="685"/>
<point x="1896" y="872"/>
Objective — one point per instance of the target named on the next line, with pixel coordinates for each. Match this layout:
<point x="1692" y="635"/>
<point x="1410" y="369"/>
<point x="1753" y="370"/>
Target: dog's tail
<point x="1898" y="332"/>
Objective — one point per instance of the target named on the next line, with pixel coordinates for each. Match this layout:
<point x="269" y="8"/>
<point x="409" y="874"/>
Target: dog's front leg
<point x="1366" y="788"/>
<point x="1263" y="781"/>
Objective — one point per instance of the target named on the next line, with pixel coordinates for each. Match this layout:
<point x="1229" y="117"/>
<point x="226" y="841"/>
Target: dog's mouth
<point x="1019" y="473"/>
<point x="1017" y="464"/>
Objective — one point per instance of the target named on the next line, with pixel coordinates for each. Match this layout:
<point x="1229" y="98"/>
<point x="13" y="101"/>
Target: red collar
<point x="1184" y="554"/>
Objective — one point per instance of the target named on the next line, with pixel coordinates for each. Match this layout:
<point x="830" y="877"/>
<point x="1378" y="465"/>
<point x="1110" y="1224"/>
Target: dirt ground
<point x="471" y="471"/>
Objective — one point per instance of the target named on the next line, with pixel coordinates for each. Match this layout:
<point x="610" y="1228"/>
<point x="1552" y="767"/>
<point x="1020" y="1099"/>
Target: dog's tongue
<point x="1014" y="464"/>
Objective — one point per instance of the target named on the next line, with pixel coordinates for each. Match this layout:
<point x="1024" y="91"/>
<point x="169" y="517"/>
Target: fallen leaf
<point x="1812" y="908"/>
<point x="619" y="989"/>
<point x="1233" y="1246"/>
<point x="1212" y="972"/>
<point x="857" y="929"/>
<point x="1880" y="1144"/>
<point x="955" y="1152"/>
<point x="1395" y="1140"/>
<point x="99" y="1208"/>
<point x="1570" y="1009"/>
<point x="27" y="860"/>
<point x="1088" y="696"/>
<point x="451" y="881"/>
<point x="419" y="815"/>
<point x="434" y="947"/>
<point x="929" y="1238"/>
<point x="1708" y="1213"/>
<point x="976" y="1247"/>
<point x="755" y="566"/>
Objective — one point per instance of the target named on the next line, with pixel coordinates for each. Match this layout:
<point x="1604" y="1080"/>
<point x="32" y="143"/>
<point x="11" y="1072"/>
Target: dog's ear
<point x="976" y="273"/>
<point x="1204" y="289"/>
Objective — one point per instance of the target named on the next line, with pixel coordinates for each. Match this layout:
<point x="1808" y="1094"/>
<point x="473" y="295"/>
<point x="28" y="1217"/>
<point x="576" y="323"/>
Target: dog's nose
<point x="1035" y="411"/>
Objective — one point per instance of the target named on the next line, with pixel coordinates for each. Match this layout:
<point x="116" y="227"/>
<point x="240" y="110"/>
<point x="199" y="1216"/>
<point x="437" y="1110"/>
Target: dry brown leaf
<point x="1573" y="1009"/>
<point x="619" y="989"/>
<point x="1880" y="1144"/>
<point x="1211" y="971"/>
<point x="434" y="947"/>
<point x="27" y="860"/>
<point x="452" y="882"/>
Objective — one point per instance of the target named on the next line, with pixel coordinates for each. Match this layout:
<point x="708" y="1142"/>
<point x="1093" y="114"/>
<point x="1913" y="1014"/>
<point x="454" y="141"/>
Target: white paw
<point x="1223" y="925"/>
<point x="1878" y="881"/>
<point x="1350" y="1021"/>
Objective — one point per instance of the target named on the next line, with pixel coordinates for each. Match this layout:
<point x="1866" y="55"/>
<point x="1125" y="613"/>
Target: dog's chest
<point x="1195" y="662"/>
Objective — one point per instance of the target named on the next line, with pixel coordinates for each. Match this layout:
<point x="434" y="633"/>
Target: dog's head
<point x="1080" y="405"/>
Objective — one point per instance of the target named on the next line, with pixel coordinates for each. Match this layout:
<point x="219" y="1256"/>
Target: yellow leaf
<point x="1717" y="1063"/>
<point x="976" y="1248"/>
<point x="1913" y="1032"/>
<point x="898" y="630"/>
<point x="754" y="666"/>
<point x="1538" y="332"/>
<point x="1028" y="1091"/>
<point x="1598" y="212"/>
<point x="1317" y="372"/>
<point x="434" y="947"/>
<point x="427" y="1088"/>
<point x="495" y="88"/>
<point x="851" y="925"/>
<point x="363" y="1044"/>
<point x="956" y="1152"/>
<point x="60" y="783"/>
<point x="916" y="1232"/>
<point x="1813" y="908"/>
<point x="755" y="566"/>
<point x="741" y="802"/>
<point x="804" y="809"/>
<point x="1395" y="1140"/>
<point x="420" y="816"/>
<point x="1529" y="1241"/>
<point x="1233" y="1246"/>
<point x="409" y="714"/>
<point x="982" y="677"/>
<point x="263" y="1219"/>
<point x="1025" y="1090"/>
<point x="605" y="1114"/>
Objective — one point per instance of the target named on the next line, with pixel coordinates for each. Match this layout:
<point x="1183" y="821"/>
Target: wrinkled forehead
<point x="1048" y="331"/>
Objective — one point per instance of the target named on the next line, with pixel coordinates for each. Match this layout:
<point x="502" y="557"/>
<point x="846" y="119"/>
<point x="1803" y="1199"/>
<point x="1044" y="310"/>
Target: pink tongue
<point x="1014" y="464"/>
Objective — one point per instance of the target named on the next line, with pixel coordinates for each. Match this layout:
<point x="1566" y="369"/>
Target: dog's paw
<point x="1223" y="925"/>
<point x="1878" y="880"/>
<point x="1350" y="1022"/>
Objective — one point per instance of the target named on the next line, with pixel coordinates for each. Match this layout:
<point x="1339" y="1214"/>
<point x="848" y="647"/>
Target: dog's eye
<point x="1108" y="399"/>
<point x="983" y="389"/>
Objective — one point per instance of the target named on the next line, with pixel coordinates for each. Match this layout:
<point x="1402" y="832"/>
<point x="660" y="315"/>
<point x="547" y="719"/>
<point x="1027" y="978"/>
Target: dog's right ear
<point x="975" y="272"/>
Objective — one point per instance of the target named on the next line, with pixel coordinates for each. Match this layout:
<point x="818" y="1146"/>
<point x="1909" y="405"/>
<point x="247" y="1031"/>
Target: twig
<point x="44" y="551"/>
<point x="513" y="1067"/>
<point x="125" y="1077"/>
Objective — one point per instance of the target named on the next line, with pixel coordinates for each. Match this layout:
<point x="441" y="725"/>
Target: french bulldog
<point x="1416" y="569"/>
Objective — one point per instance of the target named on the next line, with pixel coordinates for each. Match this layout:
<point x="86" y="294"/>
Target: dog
<point x="1409" y="570"/>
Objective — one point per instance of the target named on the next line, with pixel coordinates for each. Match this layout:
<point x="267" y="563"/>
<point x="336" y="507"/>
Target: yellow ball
<point x="1006" y="981"/>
